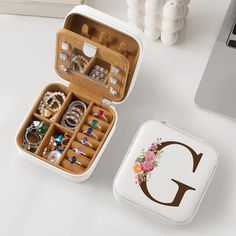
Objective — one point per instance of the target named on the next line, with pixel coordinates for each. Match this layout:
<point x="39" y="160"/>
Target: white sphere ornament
<point x="170" y="26"/>
<point x="152" y="7"/>
<point x="169" y="39"/>
<point x="173" y="10"/>
<point x="137" y="24"/>
<point x="135" y="16"/>
<point x="152" y="21"/>
<point x="152" y="34"/>
<point x="136" y="4"/>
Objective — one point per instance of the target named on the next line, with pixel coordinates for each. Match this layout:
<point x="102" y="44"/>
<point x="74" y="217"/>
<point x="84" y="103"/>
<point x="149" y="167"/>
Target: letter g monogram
<point x="182" y="188"/>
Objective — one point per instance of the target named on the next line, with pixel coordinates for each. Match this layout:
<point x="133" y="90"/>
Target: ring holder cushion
<point x="165" y="173"/>
<point x="103" y="41"/>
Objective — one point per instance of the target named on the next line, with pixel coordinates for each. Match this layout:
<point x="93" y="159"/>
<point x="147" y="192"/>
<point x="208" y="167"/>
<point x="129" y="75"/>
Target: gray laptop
<point x="217" y="90"/>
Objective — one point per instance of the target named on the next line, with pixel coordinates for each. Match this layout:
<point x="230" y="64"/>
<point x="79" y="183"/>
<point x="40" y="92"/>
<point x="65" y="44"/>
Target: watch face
<point x="54" y="156"/>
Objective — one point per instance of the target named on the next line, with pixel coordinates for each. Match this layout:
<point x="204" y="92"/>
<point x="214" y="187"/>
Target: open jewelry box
<point x="70" y="126"/>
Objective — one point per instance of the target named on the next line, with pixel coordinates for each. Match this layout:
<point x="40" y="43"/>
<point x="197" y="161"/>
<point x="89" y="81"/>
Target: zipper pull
<point x="109" y="103"/>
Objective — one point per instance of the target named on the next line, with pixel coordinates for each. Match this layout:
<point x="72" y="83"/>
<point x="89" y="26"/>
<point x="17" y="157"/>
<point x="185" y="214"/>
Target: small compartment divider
<point x="64" y="129"/>
<point x="45" y="140"/>
<point x="64" y="107"/>
<point x="90" y="65"/>
<point x="76" y="131"/>
<point x="42" y="118"/>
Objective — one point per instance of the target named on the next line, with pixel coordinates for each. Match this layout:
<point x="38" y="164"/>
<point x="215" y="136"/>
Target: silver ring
<point x="79" y="151"/>
<point x="90" y="132"/>
<point x="94" y="124"/>
<point x="78" y="103"/>
<point x="85" y="141"/>
<point x="29" y="145"/>
<point x="70" y="115"/>
<point x="101" y="114"/>
<point x="73" y="160"/>
<point x="73" y="113"/>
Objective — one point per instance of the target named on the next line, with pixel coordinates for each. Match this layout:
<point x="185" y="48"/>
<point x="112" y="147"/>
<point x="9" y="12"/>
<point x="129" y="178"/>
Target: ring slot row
<point x="96" y="109"/>
<point x="73" y="159"/>
<point x="86" y="146"/>
<point x="75" y="133"/>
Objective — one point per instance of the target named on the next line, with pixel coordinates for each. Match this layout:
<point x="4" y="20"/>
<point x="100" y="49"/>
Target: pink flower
<point x="147" y="166"/>
<point x="149" y="156"/>
<point x="139" y="179"/>
<point x="153" y="147"/>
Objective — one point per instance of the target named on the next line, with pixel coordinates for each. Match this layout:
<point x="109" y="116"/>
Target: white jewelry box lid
<point x="178" y="168"/>
<point x="119" y="25"/>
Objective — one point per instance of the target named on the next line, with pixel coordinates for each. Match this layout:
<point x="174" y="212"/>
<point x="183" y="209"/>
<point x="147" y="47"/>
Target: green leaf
<point x="155" y="164"/>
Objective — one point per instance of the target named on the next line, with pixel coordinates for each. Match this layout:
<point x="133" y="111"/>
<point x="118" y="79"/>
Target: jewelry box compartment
<point x="65" y="129"/>
<point x="70" y="126"/>
<point x="96" y="57"/>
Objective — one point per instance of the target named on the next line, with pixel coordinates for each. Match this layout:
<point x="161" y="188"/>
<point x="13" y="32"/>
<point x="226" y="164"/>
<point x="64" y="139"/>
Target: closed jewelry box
<point x="71" y="123"/>
<point x="165" y="173"/>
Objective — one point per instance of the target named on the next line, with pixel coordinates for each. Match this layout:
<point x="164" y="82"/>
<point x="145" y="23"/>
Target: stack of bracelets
<point x="55" y="147"/>
<point x="34" y="135"/>
<point x="50" y="104"/>
<point x="74" y="114"/>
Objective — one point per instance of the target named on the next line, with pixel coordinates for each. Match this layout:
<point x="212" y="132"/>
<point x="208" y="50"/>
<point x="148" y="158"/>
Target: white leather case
<point x="167" y="180"/>
<point x="125" y="28"/>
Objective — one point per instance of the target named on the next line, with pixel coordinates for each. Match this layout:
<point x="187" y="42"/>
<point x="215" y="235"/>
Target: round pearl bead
<point x="153" y="7"/>
<point x="152" y="21"/>
<point x="135" y="16"/>
<point x="173" y="10"/>
<point x="136" y="4"/>
<point x="172" y="26"/>
<point x="152" y="34"/>
<point x="169" y="39"/>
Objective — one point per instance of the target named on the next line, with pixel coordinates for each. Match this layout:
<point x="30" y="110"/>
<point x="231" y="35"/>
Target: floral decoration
<point x="146" y="162"/>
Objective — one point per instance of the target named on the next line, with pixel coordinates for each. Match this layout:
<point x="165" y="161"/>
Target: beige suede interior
<point x="114" y="48"/>
<point x="56" y="128"/>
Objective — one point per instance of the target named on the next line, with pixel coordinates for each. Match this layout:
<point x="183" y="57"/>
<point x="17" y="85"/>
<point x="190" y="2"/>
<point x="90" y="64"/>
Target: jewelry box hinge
<point x="109" y="103"/>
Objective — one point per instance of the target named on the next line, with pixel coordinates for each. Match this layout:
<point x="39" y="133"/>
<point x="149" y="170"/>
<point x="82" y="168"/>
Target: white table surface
<point x="34" y="201"/>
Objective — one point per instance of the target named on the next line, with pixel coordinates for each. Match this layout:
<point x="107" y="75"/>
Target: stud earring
<point x="113" y="81"/>
<point x="113" y="92"/>
<point x="63" y="56"/>
<point x="63" y="68"/>
<point x="65" y="46"/>
<point x="115" y="70"/>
